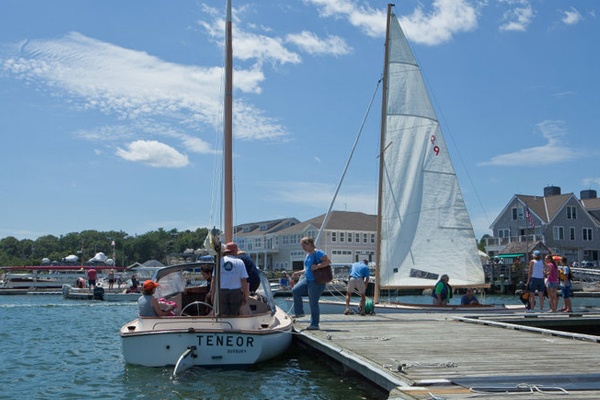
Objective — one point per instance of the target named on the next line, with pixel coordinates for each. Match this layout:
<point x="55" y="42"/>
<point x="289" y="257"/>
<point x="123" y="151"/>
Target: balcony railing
<point x="503" y="241"/>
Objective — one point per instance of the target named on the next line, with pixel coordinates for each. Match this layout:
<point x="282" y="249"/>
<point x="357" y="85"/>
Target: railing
<point x="503" y="241"/>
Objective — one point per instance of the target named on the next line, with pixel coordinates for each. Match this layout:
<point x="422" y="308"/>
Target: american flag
<point x="529" y="217"/>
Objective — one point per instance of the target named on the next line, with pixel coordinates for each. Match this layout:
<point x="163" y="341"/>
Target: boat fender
<point x="369" y="308"/>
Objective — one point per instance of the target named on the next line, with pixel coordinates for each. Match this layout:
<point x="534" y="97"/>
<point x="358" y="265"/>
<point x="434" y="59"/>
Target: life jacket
<point x="446" y="290"/>
<point x="561" y="274"/>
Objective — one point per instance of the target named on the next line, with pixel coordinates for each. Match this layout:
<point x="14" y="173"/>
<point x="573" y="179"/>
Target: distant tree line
<point x="153" y="245"/>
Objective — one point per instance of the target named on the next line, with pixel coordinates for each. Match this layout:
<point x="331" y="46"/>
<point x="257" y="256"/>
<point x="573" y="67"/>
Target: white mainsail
<point x="425" y="228"/>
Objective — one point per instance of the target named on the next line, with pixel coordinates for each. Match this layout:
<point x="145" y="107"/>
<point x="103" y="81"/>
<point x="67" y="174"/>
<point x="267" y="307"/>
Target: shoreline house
<point x="562" y="223"/>
<point x="274" y="245"/>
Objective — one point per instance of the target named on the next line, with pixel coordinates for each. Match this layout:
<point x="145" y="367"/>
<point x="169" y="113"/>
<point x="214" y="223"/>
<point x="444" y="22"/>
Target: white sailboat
<point x="192" y="338"/>
<point x="423" y="229"/>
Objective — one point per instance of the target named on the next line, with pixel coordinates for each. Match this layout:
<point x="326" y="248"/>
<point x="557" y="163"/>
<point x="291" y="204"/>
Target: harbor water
<point x="69" y="349"/>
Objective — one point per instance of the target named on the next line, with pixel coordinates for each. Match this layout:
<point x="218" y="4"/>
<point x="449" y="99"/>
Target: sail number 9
<point x="436" y="148"/>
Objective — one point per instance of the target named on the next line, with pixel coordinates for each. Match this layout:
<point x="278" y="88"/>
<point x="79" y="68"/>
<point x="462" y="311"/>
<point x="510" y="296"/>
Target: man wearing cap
<point x="148" y="304"/>
<point x="535" y="281"/>
<point x="251" y="270"/>
<point x="233" y="281"/>
<point x="359" y="279"/>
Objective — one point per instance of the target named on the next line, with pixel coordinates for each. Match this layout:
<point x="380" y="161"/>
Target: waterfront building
<point x="566" y="225"/>
<point x="273" y="245"/>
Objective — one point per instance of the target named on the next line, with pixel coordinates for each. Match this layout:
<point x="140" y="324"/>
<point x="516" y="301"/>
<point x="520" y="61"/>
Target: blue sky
<point x="110" y="111"/>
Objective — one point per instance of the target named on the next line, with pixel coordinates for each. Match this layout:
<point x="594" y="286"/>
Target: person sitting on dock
<point x="359" y="279"/>
<point x="284" y="282"/>
<point x="442" y="291"/>
<point x="469" y="299"/>
<point x="149" y="305"/>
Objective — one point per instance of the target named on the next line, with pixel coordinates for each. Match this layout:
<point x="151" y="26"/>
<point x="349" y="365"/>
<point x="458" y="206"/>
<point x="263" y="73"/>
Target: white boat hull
<point x="338" y="307"/>
<point x="73" y="293"/>
<point x="160" y="341"/>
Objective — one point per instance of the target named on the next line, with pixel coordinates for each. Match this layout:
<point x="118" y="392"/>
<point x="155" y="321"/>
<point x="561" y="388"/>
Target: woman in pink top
<point x="552" y="284"/>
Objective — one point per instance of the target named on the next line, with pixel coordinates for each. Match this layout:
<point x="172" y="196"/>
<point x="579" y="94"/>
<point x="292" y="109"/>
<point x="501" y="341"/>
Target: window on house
<point x="365" y="238"/>
<point x="503" y="233"/>
<point x="571" y="212"/>
<point x="341" y="236"/>
<point x="372" y="238"/>
<point x="333" y="237"/>
<point x="587" y="234"/>
<point x="518" y="213"/>
<point x="572" y="233"/>
<point x="558" y="233"/>
<point x="357" y="238"/>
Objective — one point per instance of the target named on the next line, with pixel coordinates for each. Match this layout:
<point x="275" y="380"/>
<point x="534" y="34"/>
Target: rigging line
<point x="362" y="125"/>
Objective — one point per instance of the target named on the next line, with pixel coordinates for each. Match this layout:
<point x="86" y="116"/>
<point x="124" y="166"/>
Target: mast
<point x="381" y="156"/>
<point x="228" y="131"/>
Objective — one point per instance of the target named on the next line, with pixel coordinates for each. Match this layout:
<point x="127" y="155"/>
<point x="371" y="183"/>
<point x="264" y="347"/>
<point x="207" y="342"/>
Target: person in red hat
<point x="148" y="304"/>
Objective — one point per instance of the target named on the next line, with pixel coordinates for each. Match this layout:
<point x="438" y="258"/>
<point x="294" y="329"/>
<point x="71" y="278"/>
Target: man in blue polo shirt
<point x="359" y="279"/>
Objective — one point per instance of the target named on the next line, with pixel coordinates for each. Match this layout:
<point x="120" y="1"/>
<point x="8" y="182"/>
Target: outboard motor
<point x="98" y="293"/>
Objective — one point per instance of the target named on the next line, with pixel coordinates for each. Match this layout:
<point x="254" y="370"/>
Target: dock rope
<point x="519" y="389"/>
<point x="378" y="338"/>
<point x="448" y="364"/>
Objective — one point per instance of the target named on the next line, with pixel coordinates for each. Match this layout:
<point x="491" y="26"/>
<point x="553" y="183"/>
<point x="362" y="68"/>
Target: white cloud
<point x="519" y="17"/>
<point x="369" y="20"/>
<point x="248" y="45"/>
<point x="134" y="86"/>
<point x="312" y="44"/>
<point x="153" y="153"/>
<point x="555" y="150"/>
<point x="438" y="26"/>
<point x="446" y="18"/>
<point x="589" y="182"/>
<point x="571" y="17"/>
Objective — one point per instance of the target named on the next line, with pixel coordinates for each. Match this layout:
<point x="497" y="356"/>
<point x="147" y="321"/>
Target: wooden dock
<point x="444" y="356"/>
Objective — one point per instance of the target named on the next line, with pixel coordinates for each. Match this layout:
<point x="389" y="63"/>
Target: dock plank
<point x="415" y="354"/>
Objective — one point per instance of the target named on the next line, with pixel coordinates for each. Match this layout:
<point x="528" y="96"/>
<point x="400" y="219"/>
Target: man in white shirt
<point x="233" y="281"/>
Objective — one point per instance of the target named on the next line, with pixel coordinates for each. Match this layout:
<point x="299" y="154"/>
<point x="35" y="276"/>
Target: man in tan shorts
<point x="359" y="279"/>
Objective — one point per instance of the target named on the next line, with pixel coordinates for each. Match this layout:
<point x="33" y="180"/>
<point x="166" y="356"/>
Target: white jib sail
<point x="426" y="230"/>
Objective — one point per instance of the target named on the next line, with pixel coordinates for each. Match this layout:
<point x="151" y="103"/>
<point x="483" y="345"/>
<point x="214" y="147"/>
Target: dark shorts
<point x="92" y="282"/>
<point x="537" y="285"/>
<point x="230" y="301"/>
<point x="566" y="292"/>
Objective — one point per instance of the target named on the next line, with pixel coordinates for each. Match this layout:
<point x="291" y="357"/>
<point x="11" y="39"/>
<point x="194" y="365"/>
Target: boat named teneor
<point x="198" y="335"/>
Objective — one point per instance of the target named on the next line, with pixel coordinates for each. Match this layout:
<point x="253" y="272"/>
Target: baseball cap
<point x="150" y="284"/>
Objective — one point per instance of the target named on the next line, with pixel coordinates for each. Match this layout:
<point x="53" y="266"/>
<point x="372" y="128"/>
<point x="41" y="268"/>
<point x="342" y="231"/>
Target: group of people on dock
<point x="545" y="277"/>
